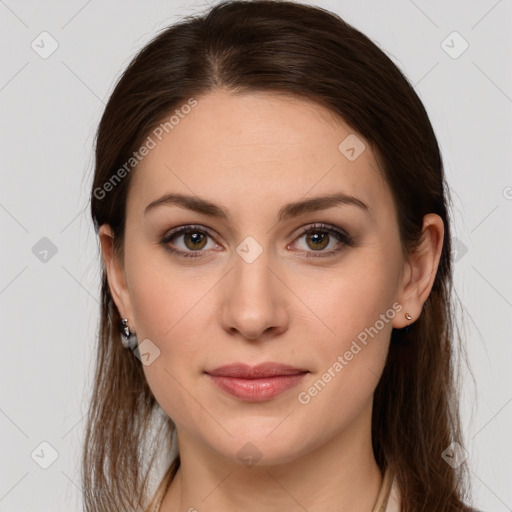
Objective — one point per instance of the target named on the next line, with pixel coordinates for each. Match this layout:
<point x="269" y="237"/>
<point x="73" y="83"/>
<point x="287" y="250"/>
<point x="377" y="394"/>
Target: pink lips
<point x="256" y="383"/>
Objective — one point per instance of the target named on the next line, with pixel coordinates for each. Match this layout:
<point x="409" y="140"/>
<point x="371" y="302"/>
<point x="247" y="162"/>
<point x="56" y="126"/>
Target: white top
<point x="388" y="499"/>
<point x="394" y="498"/>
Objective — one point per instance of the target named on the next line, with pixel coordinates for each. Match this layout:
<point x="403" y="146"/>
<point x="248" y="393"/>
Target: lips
<point x="244" y="371"/>
<point x="256" y="383"/>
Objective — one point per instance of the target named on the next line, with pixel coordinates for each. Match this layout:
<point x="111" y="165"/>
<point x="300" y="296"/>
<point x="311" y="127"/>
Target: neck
<point x="341" y="470"/>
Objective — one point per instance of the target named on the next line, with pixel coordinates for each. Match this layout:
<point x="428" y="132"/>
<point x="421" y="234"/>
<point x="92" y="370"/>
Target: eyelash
<point x="345" y="240"/>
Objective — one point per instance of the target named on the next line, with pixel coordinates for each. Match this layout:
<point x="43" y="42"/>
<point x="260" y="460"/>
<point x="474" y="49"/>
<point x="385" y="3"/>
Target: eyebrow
<point x="288" y="211"/>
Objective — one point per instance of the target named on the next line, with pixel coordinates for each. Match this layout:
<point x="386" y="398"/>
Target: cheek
<point x="162" y="293"/>
<point x="168" y="310"/>
<point x="358" y="309"/>
<point x="349" y="302"/>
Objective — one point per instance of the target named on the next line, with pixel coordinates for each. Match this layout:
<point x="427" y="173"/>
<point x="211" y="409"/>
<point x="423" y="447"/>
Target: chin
<point x="254" y="446"/>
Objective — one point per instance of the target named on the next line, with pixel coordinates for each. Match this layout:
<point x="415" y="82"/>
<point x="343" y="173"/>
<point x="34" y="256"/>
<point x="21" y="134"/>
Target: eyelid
<point x="322" y="226"/>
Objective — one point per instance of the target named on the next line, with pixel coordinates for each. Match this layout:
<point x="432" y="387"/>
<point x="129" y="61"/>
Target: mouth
<point x="256" y="383"/>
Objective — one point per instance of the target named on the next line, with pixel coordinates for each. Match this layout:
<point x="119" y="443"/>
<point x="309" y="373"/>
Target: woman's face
<point x="248" y="286"/>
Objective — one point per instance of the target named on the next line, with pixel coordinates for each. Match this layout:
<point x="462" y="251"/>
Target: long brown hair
<point x="295" y="49"/>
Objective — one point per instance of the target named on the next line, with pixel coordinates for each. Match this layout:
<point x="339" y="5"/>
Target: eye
<point x="320" y="236"/>
<point x="194" y="240"/>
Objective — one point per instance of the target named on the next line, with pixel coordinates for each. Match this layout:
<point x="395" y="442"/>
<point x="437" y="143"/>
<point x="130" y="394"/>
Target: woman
<point x="273" y="218"/>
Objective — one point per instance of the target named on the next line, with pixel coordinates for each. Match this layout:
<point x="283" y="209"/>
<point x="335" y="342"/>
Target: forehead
<point x="257" y="148"/>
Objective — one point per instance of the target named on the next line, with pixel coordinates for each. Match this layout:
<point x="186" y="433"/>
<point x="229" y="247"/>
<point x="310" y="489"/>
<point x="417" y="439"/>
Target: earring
<point x="128" y="338"/>
<point x="408" y="317"/>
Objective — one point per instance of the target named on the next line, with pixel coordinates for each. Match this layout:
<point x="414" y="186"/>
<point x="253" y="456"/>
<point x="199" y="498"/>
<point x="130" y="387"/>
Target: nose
<point x="254" y="303"/>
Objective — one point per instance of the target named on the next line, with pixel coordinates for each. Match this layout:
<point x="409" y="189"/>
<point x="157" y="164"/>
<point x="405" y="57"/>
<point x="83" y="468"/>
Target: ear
<point x="115" y="274"/>
<point x="420" y="270"/>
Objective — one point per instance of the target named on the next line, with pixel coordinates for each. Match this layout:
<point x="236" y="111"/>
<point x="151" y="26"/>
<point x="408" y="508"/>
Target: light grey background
<point x="50" y="109"/>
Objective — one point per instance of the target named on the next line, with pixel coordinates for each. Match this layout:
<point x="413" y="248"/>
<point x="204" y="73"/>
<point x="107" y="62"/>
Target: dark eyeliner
<point x="190" y="228"/>
<point x="342" y="236"/>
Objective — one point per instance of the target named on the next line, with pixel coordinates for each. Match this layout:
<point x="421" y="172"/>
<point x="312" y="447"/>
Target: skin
<point x="251" y="154"/>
